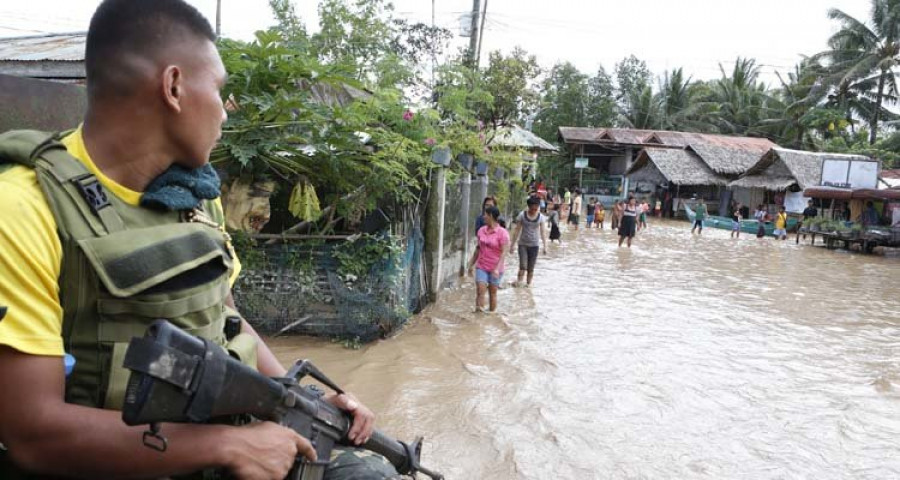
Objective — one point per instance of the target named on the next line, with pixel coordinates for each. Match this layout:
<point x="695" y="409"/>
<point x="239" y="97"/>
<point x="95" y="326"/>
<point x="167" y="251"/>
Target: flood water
<point x="683" y="357"/>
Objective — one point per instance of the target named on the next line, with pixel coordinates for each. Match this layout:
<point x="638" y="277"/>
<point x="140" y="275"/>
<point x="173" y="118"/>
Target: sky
<point x="698" y="35"/>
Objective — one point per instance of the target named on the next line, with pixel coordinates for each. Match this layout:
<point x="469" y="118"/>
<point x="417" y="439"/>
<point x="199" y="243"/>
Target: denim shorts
<point x="483" y="276"/>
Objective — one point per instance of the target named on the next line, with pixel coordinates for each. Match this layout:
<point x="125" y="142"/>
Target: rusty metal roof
<point x="683" y="139"/>
<point x="625" y="135"/>
<point x="59" y="47"/>
<point x="892" y="174"/>
<point x="580" y="134"/>
<point x="662" y="138"/>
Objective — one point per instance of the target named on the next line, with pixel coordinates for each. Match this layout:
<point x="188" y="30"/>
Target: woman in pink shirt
<point x="493" y="243"/>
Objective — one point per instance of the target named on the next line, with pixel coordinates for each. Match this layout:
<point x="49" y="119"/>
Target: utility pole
<point x="218" y="18"/>
<point x="473" y="39"/>
<point x="433" y="59"/>
<point x="481" y="34"/>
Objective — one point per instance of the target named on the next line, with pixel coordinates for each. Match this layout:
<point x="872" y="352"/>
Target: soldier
<point x="115" y="224"/>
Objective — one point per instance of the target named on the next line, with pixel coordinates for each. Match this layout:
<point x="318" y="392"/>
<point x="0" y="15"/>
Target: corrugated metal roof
<point x="517" y="137"/>
<point x="580" y="134"/>
<point x="683" y="139"/>
<point x="892" y="174"/>
<point x="666" y="138"/>
<point x="60" y="47"/>
<point x="625" y="135"/>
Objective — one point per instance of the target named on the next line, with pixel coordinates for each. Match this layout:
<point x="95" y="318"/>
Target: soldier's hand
<point x="363" y="418"/>
<point x="265" y="451"/>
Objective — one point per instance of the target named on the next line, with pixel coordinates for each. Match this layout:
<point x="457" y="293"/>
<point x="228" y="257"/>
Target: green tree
<point x="632" y="76"/>
<point x="564" y="101"/>
<point x="601" y="102"/>
<point x="288" y="25"/>
<point x="358" y="35"/>
<point x="642" y="110"/>
<point x="868" y="54"/>
<point x="736" y="104"/>
<point x="797" y="110"/>
<point x="510" y="81"/>
<point x="679" y="102"/>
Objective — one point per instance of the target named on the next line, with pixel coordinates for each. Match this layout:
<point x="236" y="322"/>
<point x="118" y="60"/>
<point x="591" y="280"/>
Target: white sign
<point x="863" y="174"/>
<point x="795" y="202"/>
<point x="842" y="173"/>
<point x="581" y="162"/>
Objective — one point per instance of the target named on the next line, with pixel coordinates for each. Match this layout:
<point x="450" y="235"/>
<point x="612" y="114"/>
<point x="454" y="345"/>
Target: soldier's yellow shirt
<point x="31" y="256"/>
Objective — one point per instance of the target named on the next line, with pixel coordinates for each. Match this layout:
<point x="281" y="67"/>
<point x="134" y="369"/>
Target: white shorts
<point x="780" y="232"/>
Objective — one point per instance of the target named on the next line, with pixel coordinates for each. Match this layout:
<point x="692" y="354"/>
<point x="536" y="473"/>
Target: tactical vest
<point x="124" y="266"/>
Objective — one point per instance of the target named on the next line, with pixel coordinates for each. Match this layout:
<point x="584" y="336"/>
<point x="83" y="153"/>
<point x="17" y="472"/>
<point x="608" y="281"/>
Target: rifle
<point x="177" y="377"/>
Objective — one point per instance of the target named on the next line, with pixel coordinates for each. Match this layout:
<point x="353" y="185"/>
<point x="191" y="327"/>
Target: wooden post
<point x="434" y="231"/>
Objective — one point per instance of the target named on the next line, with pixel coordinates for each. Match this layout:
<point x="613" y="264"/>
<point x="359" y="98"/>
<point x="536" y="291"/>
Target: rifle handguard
<point x="177" y="377"/>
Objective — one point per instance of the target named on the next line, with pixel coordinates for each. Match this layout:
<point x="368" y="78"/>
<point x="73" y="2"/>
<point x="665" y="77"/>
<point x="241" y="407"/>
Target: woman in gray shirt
<point x="529" y="233"/>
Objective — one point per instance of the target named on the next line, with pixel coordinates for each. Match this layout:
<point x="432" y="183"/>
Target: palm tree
<point x="795" y="110"/>
<point x="642" y="110"/>
<point x="867" y="54"/>
<point x="680" y="105"/>
<point x="735" y="104"/>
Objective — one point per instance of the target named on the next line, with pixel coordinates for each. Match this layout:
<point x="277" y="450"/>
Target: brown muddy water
<point x="683" y="357"/>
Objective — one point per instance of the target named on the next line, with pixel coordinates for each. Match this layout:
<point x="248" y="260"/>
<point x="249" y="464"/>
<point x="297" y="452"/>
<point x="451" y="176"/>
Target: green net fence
<point x="304" y="288"/>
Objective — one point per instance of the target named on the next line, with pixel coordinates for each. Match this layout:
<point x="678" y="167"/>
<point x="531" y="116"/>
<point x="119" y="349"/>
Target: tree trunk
<point x="873" y="126"/>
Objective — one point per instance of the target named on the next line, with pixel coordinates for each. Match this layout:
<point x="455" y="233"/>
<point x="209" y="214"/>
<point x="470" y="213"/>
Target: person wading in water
<point x="628" y="224"/>
<point x="529" y="233"/>
<point x="493" y="244"/>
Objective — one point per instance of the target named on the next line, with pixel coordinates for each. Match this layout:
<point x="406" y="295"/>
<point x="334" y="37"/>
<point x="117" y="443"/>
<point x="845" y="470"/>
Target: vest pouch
<point x="179" y="274"/>
<point x="133" y="261"/>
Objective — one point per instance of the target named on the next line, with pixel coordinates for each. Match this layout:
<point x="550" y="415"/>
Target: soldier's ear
<point x="172" y="87"/>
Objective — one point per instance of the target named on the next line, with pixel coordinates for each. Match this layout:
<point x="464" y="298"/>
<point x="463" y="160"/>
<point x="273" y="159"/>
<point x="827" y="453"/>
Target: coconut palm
<point x="680" y="105"/>
<point x="796" y="110"/>
<point x="735" y="104"/>
<point x="867" y="55"/>
<point x="642" y="110"/>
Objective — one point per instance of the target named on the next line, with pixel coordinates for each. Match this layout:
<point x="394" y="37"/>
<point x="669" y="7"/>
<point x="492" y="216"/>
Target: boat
<point x="747" y="225"/>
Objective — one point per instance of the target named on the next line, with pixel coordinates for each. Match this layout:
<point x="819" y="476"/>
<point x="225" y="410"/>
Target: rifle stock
<point x="177" y="377"/>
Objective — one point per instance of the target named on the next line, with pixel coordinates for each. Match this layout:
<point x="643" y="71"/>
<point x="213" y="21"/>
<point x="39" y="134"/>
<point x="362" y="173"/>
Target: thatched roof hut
<point x="780" y="169"/>
<point x="729" y="160"/>
<point x="673" y="165"/>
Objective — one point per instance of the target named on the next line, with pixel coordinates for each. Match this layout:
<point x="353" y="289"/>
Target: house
<point x="605" y="153"/>
<point x="781" y="175"/>
<point x="679" y="165"/>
